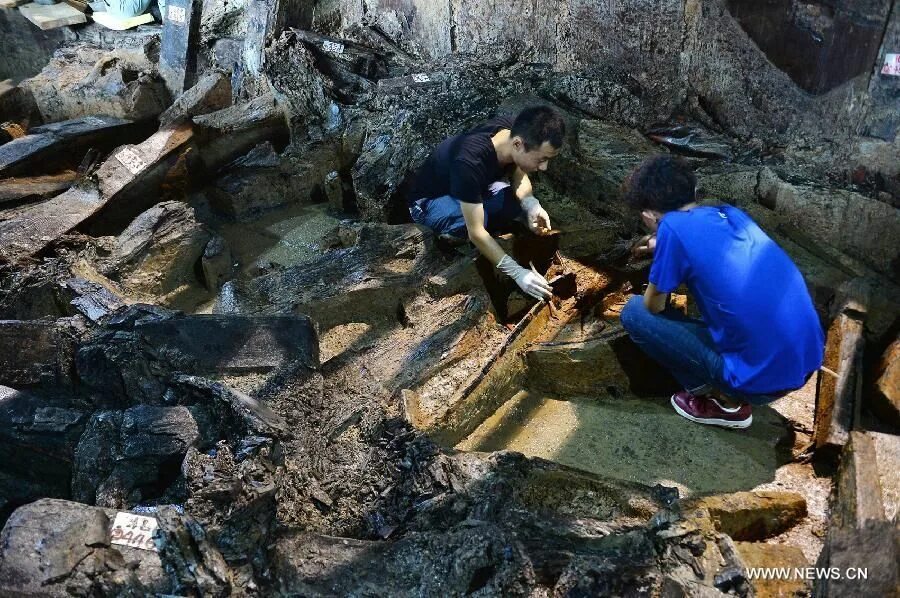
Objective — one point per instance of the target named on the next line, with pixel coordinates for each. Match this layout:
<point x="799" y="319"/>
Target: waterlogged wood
<point x="34" y="352"/>
<point x="33" y="229"/>
<point x="496" y="382"/>
<point x="235" y="344"/>
<point x="839" y="391"/>
<point x="180" y="37"/>
<point x="65" y="140"/>
<point x="143" y="166"/>
<point x="130" y="164"/>
<point x="28" y="189"/>
<point x="862" y="530"/>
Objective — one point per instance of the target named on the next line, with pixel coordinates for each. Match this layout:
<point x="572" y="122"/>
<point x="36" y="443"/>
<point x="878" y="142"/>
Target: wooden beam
<point x="52" y="16"/>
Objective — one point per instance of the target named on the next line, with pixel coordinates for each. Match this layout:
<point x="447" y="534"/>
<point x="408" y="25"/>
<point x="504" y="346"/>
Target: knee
<point x="633" y="311"/>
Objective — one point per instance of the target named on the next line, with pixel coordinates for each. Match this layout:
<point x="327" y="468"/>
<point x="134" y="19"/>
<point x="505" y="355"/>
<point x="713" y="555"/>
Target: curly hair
<point x="663" y="183"/>
<point x="538" y="124"/>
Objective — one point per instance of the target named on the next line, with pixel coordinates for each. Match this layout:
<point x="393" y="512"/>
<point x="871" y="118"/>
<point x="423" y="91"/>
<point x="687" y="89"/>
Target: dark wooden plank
<point x="28" y="189"/>
<point x="838" y="388"/>
<point x="234" y="344"/>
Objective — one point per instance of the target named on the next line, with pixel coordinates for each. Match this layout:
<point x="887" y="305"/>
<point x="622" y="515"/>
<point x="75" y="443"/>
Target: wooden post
<point x="180" y="38"/>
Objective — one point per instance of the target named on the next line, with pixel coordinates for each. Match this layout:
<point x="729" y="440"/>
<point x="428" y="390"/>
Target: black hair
<point x="663" y="183"/>
<point x="538" y="124"/>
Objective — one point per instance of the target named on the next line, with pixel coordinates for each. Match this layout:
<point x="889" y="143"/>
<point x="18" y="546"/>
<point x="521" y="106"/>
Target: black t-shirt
<point x="462" y="166"/>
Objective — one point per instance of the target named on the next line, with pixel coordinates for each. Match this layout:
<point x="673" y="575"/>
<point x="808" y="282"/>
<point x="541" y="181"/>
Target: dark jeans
<point x="684" y="347"/>
<point x="444" y="215"/>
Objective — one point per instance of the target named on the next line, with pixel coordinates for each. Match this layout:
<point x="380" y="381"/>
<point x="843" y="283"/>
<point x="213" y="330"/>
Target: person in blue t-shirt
<point x="759" y="337"/>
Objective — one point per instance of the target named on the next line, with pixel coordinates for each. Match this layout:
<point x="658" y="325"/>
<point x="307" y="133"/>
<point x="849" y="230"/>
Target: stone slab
<point x="119" y="24"/>
<point x="53" y="16"/>
<point x="758" y="555"/>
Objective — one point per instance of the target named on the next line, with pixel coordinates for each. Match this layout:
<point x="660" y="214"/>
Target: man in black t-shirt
<point x="477" y="183"/>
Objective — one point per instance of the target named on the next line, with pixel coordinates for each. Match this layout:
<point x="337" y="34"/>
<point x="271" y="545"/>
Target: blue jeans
<point x="444" y="215"/>
<point x="684" y="347"/>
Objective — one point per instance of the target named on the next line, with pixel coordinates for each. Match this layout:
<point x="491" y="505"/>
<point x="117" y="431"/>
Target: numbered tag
<point x="177" y="14"/>
<point x="421" y="78"/>
<point x="130" y="160"/>
<point x="333" y="47"/>
<point x="891" y="65"/>
<point x="135" y="531"/>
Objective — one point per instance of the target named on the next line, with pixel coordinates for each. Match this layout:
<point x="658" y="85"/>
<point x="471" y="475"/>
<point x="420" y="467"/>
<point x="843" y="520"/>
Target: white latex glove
<point x="530" y="282"/>
<point x="536" y="217"/>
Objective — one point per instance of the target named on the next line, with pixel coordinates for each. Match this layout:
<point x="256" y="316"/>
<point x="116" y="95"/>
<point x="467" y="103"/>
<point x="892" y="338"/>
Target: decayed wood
<point x="836" y="396"/>
<point x="34" y="229"/>
<point x="65" y="143"/>
<point x="35" y="352"/>
<point x="26" y="189"/>
<point x="128" y="167"/>
<point x="493" y="384"/>
<point x="235" y="343"/>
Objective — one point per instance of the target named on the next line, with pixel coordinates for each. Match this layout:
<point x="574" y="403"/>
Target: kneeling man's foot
<point x="704" y="409"/>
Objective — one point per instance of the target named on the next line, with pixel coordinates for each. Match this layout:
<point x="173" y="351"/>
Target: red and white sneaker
<point x="704" y="409"/>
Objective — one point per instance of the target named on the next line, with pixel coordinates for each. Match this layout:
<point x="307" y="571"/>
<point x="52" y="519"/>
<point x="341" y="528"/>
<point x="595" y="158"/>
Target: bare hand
<point x="646" y="245"/>
<point x="650" y="219"/>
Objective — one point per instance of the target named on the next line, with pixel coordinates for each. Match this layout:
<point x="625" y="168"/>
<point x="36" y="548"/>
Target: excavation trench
<point x="567" y="385"/>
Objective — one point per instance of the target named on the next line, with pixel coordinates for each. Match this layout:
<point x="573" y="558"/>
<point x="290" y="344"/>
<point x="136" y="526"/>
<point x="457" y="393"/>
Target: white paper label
<point x="333" y="47"/>
<point x="177" y="14"/>
<point x="131" y="160"/>
<point x="135" y="531"/>
<point x="891" y="65"/>
<point x="421" y="78"/>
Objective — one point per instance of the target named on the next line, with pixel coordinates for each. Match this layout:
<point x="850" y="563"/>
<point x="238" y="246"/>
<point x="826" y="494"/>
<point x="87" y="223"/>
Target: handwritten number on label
<point x="177" y="14"/>
<point x="333" y="47"/>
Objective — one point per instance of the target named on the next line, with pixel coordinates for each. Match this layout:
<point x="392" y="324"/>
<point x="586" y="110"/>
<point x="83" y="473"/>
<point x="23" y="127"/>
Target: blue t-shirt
<point x="749" y="292"/>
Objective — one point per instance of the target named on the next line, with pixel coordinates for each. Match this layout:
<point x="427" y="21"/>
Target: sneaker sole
<point x="723" y="423"/>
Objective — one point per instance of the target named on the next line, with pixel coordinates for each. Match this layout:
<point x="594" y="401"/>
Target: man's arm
<point x="654" y="301"/>
<point x="537" y="219"/>
<point x="483" y="241"/>
<point x="521" y="184"/>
